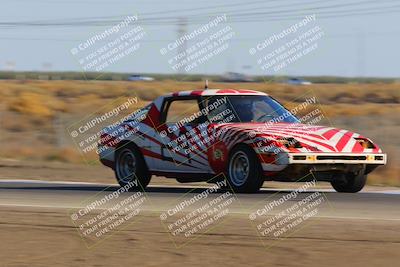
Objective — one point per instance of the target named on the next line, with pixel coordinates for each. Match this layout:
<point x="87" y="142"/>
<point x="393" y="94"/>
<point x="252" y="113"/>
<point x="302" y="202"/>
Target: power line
<point x="83" y="19"/>
<point x="335" y="36"/>
<point x="234" y="17"/>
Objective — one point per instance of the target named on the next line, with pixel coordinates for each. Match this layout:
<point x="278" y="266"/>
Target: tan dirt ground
<point x="45" y="237"/>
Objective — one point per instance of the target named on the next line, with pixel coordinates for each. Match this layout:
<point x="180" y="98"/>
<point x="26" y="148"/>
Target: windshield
<point x="246" y="108"/>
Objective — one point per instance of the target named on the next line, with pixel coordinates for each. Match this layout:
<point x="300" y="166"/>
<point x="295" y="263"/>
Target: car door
<point x="181" y="147"/>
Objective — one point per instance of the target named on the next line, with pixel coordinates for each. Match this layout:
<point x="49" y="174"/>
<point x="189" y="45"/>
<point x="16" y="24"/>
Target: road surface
<point x="35" y="217"/>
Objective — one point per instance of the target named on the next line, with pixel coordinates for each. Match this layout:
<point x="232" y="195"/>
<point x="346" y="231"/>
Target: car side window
<point x="183" y="110"/>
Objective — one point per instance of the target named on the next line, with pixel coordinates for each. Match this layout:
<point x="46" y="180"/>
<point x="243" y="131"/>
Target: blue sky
<point x="356" y="44"/>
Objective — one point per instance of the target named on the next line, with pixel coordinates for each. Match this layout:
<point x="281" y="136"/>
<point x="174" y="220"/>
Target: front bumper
<point x="333" y="158"/>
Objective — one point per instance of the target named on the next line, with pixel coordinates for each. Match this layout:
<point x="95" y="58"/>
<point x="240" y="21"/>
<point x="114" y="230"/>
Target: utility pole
<point x="361" y="53"/>
<point x="182" y="30"/>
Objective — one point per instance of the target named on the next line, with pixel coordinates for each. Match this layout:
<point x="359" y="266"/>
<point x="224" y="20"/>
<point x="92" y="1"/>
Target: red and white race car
<point x="245" y="136"/>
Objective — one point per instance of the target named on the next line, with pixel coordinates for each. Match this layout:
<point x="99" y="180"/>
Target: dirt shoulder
<point x="47" y="238"/>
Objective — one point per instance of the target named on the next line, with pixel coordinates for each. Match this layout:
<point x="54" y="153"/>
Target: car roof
<point x="210" y="92"/>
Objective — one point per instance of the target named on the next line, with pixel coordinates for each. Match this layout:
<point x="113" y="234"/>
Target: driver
<point x="245" y="111"/>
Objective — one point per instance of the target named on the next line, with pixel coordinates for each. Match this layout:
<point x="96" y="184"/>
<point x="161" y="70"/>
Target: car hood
<point x="312" y="138"/>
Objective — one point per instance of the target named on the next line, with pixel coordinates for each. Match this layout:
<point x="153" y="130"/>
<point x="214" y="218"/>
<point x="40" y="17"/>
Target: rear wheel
<point x="244" y="170"/>
<point x="350" y="182"/>
<point x="130" y="167"/>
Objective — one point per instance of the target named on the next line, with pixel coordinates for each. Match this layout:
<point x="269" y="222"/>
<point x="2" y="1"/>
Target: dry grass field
<point x="35" y="115"/>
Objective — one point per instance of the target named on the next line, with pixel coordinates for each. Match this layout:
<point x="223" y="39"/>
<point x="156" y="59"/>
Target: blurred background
<point x="45" y="88"/>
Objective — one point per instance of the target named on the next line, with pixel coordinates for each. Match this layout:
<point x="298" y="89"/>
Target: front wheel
<point x="350" y="182"/>
<point x="244" y="170"/>
<point x="130" y="168"/>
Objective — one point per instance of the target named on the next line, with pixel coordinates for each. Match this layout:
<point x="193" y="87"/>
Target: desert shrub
<point x="31" y="104"/>
<point x="35" y="104"/>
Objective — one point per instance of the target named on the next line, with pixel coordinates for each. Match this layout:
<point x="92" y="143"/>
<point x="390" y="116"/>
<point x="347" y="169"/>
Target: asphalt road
<point x="366" y="205"/>
<point x="36" y="217"/>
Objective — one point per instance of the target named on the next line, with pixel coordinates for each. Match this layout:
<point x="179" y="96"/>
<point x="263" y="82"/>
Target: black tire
<point x="131" y="167"/>
<point x="350" y="183"/>
<point x="239" y="181"/>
